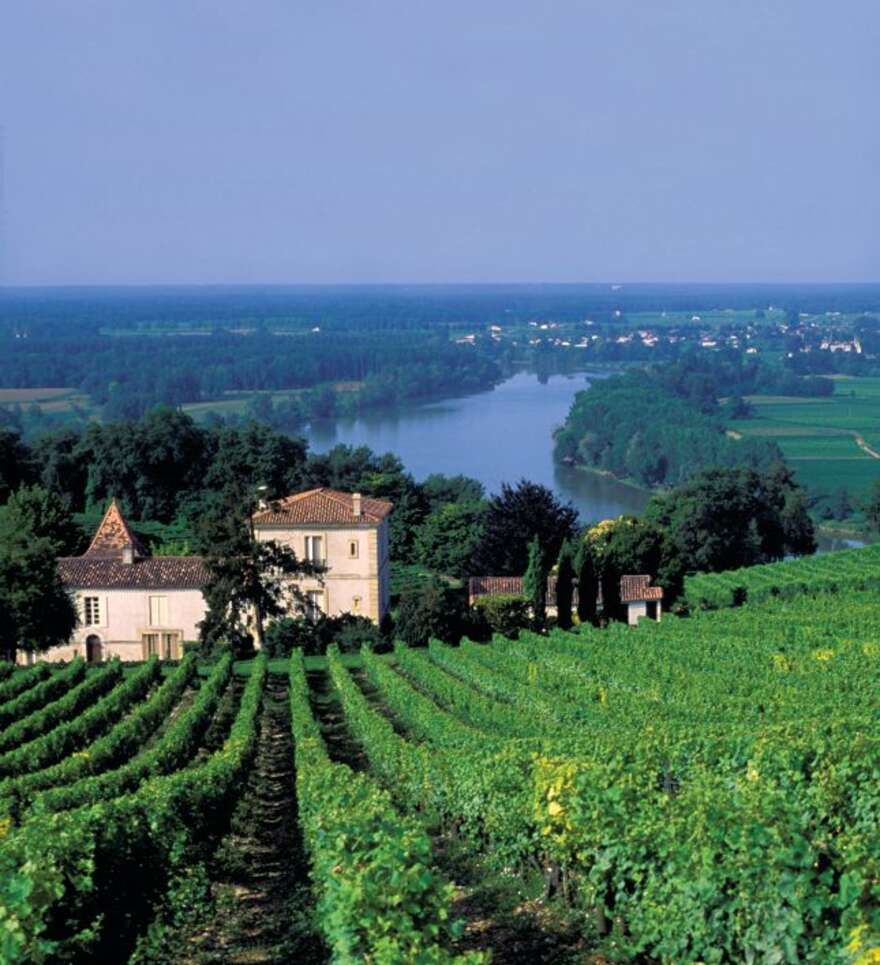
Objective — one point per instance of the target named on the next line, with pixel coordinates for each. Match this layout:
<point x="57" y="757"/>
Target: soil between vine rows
<point x="260" y="910"/>
<point x="500" y="913"/>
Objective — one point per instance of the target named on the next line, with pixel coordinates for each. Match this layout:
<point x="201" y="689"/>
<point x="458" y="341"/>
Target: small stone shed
<point x="640" y="598"/>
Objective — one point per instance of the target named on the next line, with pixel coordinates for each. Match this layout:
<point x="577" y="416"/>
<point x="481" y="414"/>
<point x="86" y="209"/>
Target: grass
<point x="820" y="437"/>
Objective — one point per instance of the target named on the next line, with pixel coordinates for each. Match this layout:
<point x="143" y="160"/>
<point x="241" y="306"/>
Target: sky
<point x="322" y="141"/>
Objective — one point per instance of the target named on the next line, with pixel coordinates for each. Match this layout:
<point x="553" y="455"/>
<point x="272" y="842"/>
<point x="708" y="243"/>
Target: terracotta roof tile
<point x="639" y="587"/>
<point x="322" y="507"/>
<point x="153" y="573"/>
<point x="510" y="586"/>
<point x="112" y="536"/>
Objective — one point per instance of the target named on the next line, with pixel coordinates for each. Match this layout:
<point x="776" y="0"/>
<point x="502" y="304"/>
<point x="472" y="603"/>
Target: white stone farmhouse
<point x="347" y="532"/>
<point x="132" y="605"/>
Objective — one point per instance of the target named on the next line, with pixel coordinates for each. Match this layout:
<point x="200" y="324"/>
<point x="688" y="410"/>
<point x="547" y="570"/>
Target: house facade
<point x="130" y="605"/>
<point x="348" y="534"/>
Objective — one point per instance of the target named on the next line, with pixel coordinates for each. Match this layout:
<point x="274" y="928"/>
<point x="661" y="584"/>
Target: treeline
<point x="635" y="427"/>
<point x="129" y="374"/>
<point x="168" y="474"/>
<point x="350" y="307"/>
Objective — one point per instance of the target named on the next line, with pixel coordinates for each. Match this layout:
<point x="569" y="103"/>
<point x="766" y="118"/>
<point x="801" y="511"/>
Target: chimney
<point x="356" y="504"/>
<point x="128" y="554"/>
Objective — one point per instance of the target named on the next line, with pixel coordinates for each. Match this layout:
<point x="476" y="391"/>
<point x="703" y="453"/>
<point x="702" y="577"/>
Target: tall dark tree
<point x="44" y="515"/>
<point x="564" y="586"/>
<point x="147" y="465"/>
<point x="587" y="583"/>
<point x="36" y="612"/>
<point x="535" y="582"/>
<point x="250" y="580"/>
<point x="727" y="518"/>
<point x="63" y="466"/>
<point x="434" y="611"/>
<point x="871" y="506"/>
<point x="16" y="467"/>
<point x="514" y="518"/>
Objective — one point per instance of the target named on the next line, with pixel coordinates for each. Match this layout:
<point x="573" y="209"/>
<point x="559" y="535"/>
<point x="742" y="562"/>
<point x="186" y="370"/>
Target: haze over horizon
<point x="387" y="142"/>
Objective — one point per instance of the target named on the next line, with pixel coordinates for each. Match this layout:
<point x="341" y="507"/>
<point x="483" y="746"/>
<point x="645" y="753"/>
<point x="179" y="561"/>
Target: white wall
<point x="352" y="584"/>
<point x="125" y="616"/>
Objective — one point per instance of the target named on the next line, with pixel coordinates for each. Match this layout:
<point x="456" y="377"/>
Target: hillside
<point x="699" y="790"/>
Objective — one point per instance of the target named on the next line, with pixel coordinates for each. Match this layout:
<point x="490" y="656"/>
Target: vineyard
<point x="700" y="790"/>
<point x="844" y="569"/>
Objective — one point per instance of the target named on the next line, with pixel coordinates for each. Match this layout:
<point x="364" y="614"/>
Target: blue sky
<point x="305" y="141"/>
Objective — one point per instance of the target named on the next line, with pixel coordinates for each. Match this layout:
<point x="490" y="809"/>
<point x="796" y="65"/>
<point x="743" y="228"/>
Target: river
<point x="502" y="435"/>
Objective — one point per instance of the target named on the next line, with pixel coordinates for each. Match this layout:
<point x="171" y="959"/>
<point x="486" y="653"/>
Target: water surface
<point x="503" y="435"/>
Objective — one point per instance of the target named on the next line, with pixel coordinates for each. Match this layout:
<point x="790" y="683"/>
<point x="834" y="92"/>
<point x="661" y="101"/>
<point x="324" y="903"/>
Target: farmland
<point x="830" y="442"/>
<point x="702" y="790"/>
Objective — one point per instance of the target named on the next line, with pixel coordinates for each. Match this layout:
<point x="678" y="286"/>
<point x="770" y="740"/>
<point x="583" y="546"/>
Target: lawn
<point x="824" y="439"/>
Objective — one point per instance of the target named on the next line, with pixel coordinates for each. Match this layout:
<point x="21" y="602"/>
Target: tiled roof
<point x="495" y="586"/>
<point x="153" y="573"/>
<point x="113" y="536"/>
<point x="321" y="507"/>
<point x="633" y="588"/>
<point x="510" y="586"/>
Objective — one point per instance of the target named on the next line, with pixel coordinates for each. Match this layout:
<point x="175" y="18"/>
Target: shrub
<point x="436" y="611"/>
<point x="506" y="614"/>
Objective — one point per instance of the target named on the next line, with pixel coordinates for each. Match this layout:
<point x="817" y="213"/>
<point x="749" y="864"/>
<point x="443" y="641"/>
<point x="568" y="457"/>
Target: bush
<point x="437" y="611"/>
<point x="349" y="631"/>
<point x="506" y="614"/>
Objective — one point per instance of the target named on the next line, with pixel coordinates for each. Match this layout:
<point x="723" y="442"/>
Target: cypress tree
<point x="564" y="586"/>
<point x="587" y="584"/>
<point x="535" y="583"/>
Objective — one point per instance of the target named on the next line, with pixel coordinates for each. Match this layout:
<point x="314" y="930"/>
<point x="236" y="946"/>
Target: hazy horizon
<point x="694" y="142"/>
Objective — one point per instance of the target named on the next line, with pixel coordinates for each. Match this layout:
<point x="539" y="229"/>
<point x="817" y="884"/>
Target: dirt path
<point x="259" y="873"/>
<point x="860" y="442"/>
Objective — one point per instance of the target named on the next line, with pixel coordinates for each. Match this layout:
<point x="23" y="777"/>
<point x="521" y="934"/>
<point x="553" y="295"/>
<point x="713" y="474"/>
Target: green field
<point x="699" y="790"/>
<point x="826" y="440"/>
<point x="825" y="572"/>
<point x="48" y="399"/>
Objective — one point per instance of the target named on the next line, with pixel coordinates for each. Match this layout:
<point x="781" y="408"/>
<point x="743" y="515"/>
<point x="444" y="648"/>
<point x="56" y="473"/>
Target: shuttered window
<point x="158" y="611"/>
<point x="314" y="549"/>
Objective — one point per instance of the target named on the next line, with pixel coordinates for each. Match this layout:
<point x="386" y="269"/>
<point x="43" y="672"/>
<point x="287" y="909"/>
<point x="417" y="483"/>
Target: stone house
<point x="130" y="604"/>
<point x="347" y="532"/>
<point x="636" y="594"/>
<point x="640" y="598"/>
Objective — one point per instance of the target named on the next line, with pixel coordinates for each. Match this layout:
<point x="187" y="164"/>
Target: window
<point x="91" y="611"/>
<point x="164" y="645"/>
<point x="355" y="604"/>
<point x="314" y="549"/>
<point x="353" y="549"/>
<point x="169" y="646"/>
<point x="158" y="611"/>
<point x="313" y="604"/>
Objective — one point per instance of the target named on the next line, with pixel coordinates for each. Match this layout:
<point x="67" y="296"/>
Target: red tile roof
<point x="636" y="588"/>
<point x="322" y="507"/>
<point x="153" y="573"/>
<point x="101" y="567"/>
<point x="510" y="586"/>
<point x="112" y="536"/>
<point x="495" y="586"/>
